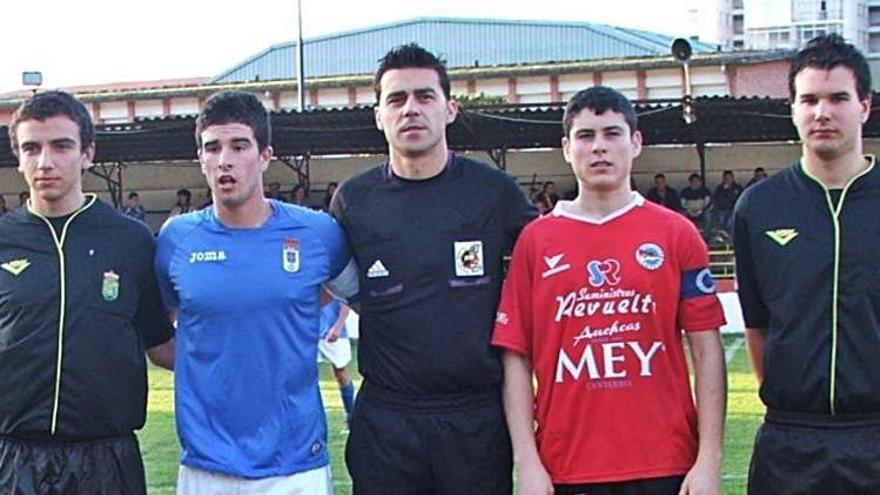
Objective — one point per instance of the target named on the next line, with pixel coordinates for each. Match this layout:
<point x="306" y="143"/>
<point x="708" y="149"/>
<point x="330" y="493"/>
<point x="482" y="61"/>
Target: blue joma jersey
<point x="246" y="381"/>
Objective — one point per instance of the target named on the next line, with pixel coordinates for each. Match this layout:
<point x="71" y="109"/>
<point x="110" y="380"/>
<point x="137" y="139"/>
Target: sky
<point x="94" y="42"/>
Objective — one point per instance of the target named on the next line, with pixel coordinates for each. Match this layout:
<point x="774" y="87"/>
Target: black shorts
<point x="654" y="486"/>
<point x="459" y="448"/>
<point x="109" y="466"/>
<point x="815" y="460"/>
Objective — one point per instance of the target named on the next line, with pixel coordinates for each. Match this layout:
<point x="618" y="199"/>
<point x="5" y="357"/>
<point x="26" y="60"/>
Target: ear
<point x="88" y="157"/>
<point x="451" y="111"/>
<point x="566" y="152"/>
<point x="866" y="108"/>
<point x="637" y="143"/>
<point x="376" y="116"/>
<point x="265" y="158"/>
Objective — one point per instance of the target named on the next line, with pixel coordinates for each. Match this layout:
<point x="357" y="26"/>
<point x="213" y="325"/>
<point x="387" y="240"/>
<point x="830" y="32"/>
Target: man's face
<point x="601" y="149"/>
<point x="233" y="164"/>
<point x="727" y="179"/>
<point x="52" y="160"/>
<point x="413" y="112"/>
<point x="134" y="201"/>
<point x="827" y="111"/>
<point x="696" y="183"/>
<point x="660" y="182"/>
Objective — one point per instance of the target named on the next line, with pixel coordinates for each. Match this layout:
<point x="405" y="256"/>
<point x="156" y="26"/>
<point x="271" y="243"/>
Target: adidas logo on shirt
<point x="377" y="270"/>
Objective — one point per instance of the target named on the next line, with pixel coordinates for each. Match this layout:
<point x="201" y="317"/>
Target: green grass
<point x="161" y="451"/>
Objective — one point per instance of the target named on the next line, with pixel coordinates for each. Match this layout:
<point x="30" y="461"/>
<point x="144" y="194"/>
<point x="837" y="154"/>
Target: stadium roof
<point x="353" y="131"/>
<point x="461" y="42"/>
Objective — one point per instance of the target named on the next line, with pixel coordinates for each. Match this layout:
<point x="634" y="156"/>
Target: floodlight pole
<point x="300" y="83"/>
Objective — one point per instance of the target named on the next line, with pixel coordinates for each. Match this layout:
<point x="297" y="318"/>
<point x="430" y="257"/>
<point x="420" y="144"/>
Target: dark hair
<point x="133" y="194"/>
<point x="659" y="176"/>
<point x="42" y="106"/>
<point x="411" y="56"/>
<point x="727" y="172"/>
<point x="599" y="99"/>
<point x="760" y="169"/>
<point x="827" y="52"/>
<point x="185" y="193"/>
<point x="694" y="176"/>
<point x="235" y="107"/>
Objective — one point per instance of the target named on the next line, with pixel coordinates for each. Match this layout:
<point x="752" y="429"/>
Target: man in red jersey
<point x="594" y="304"/>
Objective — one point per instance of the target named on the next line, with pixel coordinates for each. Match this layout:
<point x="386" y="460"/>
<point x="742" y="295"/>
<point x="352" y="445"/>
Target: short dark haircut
<point x="827" y="52"/>
<point x="727" y="172"/>
<point x="599" y="99"/>
<point x="185" y="193"/>
<point x="659" y="176"/>
<point x="48" y="104"/>
<point x="411" y="56"/>
<point x="759" y="169"/>
<point x="235" y="107"/>
<point x="695" y="176"/>
<point x="133" y="194"/>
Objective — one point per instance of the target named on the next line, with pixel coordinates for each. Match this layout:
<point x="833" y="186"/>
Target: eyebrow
<point x="604" y="129"/>
<point x="54" y="142"/>
<point x="417" y="91"/>
<point x="235" y="140"/>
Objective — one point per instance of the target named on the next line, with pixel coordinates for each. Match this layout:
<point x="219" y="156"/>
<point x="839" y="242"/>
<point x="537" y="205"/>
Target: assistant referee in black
<point x="807" y="247"/>
<point x="78" y="308"/>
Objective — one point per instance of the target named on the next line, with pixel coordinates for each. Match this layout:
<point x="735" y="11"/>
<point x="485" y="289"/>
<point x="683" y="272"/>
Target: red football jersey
<point x="598" y="307"/>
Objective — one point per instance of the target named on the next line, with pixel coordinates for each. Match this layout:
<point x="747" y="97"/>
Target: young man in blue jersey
<point x="807" y="244"/>
<point x="243" y="279"/>
<point x="429" y="229"/>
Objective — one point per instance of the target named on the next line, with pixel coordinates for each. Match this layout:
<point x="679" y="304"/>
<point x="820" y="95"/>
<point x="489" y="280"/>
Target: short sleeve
<point x="151" y="319"/>
<point x="165" y="248"/>
<point x="699" y="308"/>
<point x="513" y="321"/>
<point x="518" y="211"/>
<point x="343" y="276"/>
<point x="754" y="310"/>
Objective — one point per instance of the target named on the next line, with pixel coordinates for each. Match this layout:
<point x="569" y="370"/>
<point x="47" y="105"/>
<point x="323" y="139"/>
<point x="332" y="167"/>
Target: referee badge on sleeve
<point x="468" y="258"/>
<point x="290" y="255"/>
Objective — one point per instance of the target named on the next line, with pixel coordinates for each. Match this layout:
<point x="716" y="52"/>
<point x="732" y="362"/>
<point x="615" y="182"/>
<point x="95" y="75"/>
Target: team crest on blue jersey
<point x="468" y="258"/>
<point x="290" y="255"/>
<point x="110" y="286"/>
<point x="650" y="256"/>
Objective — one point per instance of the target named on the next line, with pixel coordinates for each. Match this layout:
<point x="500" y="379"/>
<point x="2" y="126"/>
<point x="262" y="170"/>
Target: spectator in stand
<point x="331" y="190"/>
<point x="723" y="199"/>
<point x="209" y="199"/>
<point x="541" y="204"/>
<point x="135" y="209"/>
<point x="298" y="195"/>
<point x="760" y="174"/>
<point x="274" y="192"/>
<point x="183" y="204"/>
<point x="548" y="194"/>
<point x="23" y="197"/>
<point x="695" y="200"/>
<point x="664" y="195"/>
<point x="2" y="205"/>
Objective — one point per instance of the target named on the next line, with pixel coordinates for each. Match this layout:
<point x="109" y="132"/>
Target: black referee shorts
<point x="800" y="459"/>
<point x="460" y="447"/>
<point x="654" y="486"/>
<point x="109" y="466"/>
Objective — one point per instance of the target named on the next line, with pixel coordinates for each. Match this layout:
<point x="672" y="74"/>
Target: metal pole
<point x="300" y="83"/>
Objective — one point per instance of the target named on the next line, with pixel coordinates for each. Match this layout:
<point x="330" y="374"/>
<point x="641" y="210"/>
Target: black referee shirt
<point x="808" y="273"/>
<point x="430" y="255"/>
<point x="77" y="311"/>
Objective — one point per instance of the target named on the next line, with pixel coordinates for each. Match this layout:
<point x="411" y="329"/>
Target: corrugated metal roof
<point x="461" y="42"/>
